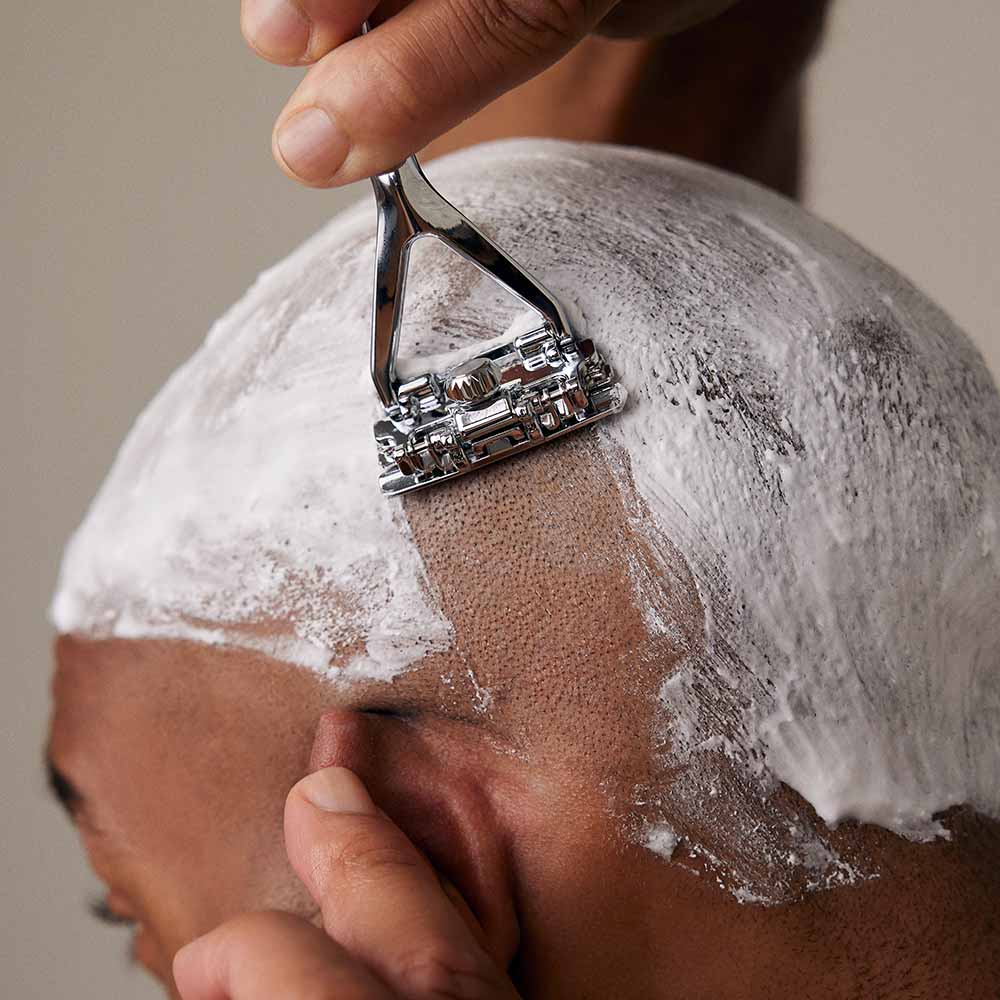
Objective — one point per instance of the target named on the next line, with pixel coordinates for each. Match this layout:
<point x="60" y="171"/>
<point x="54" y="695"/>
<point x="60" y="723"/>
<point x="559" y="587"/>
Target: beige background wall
<point x="139" y="199"/>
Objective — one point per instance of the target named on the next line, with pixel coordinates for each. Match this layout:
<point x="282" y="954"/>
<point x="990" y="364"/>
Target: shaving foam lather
<point x="541" y="385"/>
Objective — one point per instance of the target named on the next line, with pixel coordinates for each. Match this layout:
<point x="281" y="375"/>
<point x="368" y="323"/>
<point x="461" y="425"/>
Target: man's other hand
<point x="368" y="102"/>
<point x="390" y="928"/>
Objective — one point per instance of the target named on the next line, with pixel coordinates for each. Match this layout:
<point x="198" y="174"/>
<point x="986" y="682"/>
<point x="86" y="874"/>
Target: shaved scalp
<point x="534" y="566"/>
<point x="758" y="604"/>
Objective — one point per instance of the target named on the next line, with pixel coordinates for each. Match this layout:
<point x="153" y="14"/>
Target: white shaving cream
<point x="815" y="438"/>
<point x="244" y="508"/>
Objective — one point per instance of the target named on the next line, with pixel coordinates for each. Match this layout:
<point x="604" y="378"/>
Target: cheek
<point x="150" y="953"/>
<point x="208" y="844"/>
<point x="187" y="754"/>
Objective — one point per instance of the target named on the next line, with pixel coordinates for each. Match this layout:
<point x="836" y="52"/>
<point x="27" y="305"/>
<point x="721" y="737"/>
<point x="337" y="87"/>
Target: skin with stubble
<point x="183" y="754"/>
<point x="175" y="758"/>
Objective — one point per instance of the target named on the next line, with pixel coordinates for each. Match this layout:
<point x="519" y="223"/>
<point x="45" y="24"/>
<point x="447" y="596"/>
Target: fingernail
<point x="312" y="146"/>
<point x="336" y="789"/>
<point x="277" y="28"/>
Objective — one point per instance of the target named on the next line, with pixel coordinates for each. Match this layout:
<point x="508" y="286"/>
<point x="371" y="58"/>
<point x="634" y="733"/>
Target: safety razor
<point x="538" y="387"/>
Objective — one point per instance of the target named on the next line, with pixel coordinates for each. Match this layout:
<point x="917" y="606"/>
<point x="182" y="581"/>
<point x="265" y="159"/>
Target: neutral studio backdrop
<point x="139" y="199"/>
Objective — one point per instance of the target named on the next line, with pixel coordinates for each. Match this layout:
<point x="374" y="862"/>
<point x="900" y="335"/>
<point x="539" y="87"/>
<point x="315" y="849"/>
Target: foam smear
<point x="819" y="441"/>
<point x="244" y="509"/>
<point x="815" y="439"/>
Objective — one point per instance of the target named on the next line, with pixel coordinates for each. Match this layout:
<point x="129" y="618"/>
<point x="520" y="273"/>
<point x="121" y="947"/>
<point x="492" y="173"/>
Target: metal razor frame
<point x="409" y="208"/>
<point x="539" y="386"/>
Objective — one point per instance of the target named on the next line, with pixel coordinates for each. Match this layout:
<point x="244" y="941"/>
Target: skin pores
<point x="809" y="443"/>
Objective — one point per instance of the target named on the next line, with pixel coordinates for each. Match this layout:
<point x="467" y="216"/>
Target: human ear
<point x="434" y="782"/>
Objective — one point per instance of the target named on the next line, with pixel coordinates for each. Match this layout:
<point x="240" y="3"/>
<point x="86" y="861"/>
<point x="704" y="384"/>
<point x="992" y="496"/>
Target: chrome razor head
<point x="538" y="387"/>
<point x="506" y="400"/>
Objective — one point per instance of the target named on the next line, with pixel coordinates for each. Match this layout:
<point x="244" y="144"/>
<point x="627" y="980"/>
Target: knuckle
<point x="446" y="975"/>
<point x="402" y="81"/>
<point x="532" y="26"/>
<point x="368" y="853"/>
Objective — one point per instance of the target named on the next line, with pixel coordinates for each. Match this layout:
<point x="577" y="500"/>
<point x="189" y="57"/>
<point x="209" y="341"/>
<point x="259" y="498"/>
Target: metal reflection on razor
<point x="539" y="386"/>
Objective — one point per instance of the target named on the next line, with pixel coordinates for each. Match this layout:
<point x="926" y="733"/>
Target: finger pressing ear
<point x="368" y="104"/>
<point x="379" y="896"/>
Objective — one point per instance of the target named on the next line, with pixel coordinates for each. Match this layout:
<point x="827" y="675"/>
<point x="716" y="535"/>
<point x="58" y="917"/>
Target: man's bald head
<point x="780" y="563"/>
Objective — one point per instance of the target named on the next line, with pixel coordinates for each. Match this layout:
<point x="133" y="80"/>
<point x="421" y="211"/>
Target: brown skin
<point x="675" y="75"/>
<point x="183" y="755"/>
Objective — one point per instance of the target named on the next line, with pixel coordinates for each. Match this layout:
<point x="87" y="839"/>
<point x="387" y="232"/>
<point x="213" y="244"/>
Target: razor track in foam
<point x="442" y="424"/>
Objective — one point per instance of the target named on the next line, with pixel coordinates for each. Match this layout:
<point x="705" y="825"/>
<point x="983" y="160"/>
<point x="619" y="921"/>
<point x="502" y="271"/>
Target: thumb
<point x="371" y="102"/>
<point x="380" y="898"/>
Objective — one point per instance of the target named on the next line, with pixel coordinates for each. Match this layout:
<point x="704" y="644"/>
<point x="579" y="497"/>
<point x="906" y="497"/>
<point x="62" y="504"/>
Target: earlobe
<point x="433" y="786"/>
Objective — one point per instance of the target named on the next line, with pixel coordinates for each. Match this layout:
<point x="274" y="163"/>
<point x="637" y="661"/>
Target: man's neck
<point x="924" y="927"/>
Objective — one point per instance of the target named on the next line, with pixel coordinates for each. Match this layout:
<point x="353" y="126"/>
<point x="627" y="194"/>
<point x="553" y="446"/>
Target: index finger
<point x="371" y="102"/>
<point x="261" y="956"/>
<point x="379" y="896"/>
